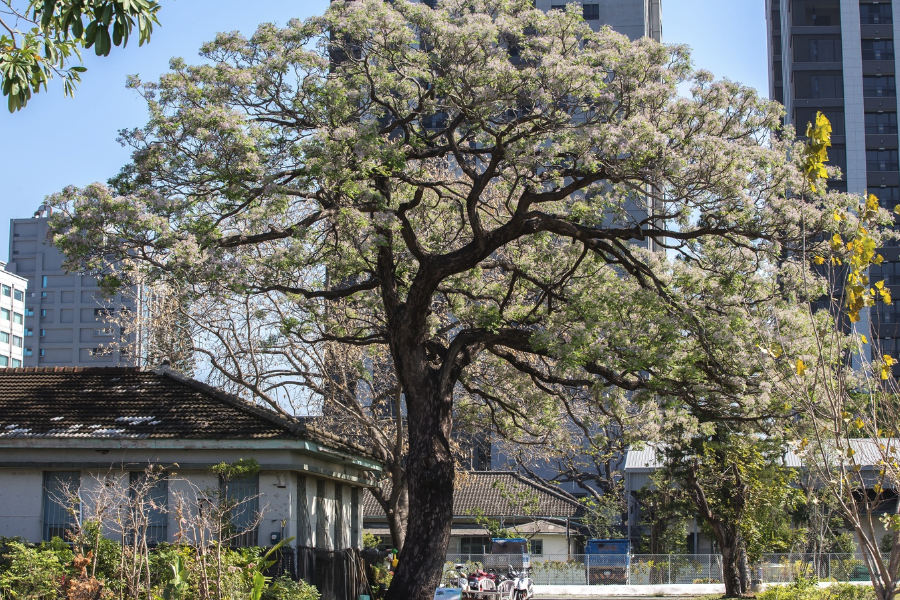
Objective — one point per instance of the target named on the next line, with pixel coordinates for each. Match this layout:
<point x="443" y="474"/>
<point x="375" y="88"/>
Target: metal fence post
<point x="670" y="569"/>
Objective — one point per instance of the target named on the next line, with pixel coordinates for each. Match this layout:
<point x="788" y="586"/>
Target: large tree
<point x="459" y="187"/>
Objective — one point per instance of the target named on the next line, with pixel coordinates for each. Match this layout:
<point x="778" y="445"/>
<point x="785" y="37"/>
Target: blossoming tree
<point x="458" y="187"/>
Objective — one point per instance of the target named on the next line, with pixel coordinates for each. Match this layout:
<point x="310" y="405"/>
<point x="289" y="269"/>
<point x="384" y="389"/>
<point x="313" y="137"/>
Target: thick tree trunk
<point x="731" y="572"/>
<point x="430" y="472"/>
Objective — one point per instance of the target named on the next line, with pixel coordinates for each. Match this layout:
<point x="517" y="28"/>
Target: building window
<point x="61" y="503"/>
<point x="7" y="291"/>
<point x="153" y="498"/>
<point x="536" y="546"/>
<point x="322" y="540"/>
<point x="104" y="332"/>
<point x="4" y="361"/>
<point x="103" y="312"/>
<point x="43" y="312"/>
<point x="888" y="197"/>
<point x="43" y="294"/>
<point x="29" y="332"/>
<point x="557" y="7"/>
<point x="29" y="352"/>
<point x="304" y="533"/>
<point x="41" y="352"/>
<point x="16" y="362"/>
<point x="816" y="13"/>
<point x="474" y="545"/>
<point x="812" y="85"/>
<point x="96" y="352"/>
<point x="43" y="332"/>
<point x="875" y="14"/>
<point x="17" y="341"/>
<point x="879" y="87"/>
<point x="590" y="12"/>
<point x="882" y="160"/>
<point x="44" y="281"/>
<point x="804" y="116"/>
<point x="18" y="318"/>
<point x="19" y="296"/>
<point x="338" y="524"/>
<point x="878" y="49"/>
<point x="29" y="312"/>
<point x="820" y="48"/>
<point x="4" y="314"/>
<point x="355" y="539"/>
<point x="881" y="123"/>
<point x="4" y="337"/>
<point x="242" y="493"/>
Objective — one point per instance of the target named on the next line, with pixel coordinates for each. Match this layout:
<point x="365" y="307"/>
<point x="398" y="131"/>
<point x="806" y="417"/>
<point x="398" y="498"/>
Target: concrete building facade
<point x="13" y="290"/>
<point x="837" y="57"/>
<point x="66" y="316"/>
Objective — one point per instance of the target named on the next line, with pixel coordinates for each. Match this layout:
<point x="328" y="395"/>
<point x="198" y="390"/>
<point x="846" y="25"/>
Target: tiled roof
<point x="127" y="403"/>
<point x="497" y="493"/>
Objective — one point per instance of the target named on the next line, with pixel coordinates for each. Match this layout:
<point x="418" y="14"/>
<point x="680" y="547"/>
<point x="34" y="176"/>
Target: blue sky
<point x="58" y="141"/>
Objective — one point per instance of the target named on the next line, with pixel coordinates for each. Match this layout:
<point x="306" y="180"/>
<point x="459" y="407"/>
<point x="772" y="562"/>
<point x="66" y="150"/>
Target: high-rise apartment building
<point x="634" y="18"/>
<point x="12" y="318"/>
<point x="837" y="57"/>
<point x="66" y="316"/>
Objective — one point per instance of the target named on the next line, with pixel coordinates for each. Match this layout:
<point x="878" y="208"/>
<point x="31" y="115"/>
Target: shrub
<point x="30" y="573"/>
<point x="805" y="588"/>
<point x="284" y="588"/>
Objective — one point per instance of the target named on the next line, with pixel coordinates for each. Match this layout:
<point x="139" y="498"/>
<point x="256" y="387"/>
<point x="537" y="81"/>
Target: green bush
<point x="807" y="589"/>
<point x="284" y="588"/>
<point x="32" y="573"/>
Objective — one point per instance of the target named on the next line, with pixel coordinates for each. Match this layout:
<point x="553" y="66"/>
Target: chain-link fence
<point x="660" y="569"/>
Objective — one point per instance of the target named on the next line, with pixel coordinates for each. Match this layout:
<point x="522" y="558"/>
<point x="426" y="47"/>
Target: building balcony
<point x="880" y="103"/>
<point x="877" y="142"/>
<point x="878" y="178"/>
<point x="884" y="31"/>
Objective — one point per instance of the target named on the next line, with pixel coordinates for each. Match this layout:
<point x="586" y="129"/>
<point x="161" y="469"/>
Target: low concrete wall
<point x="686" y="589"/>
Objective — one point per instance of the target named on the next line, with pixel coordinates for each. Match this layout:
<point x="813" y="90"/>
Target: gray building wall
<point x="64" y="320"/>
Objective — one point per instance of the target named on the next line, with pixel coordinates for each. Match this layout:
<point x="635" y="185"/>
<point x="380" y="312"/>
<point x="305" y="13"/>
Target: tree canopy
<point x="473" y="189"/>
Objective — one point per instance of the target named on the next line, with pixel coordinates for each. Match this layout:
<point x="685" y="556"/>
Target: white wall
<point x="20" y="503"/>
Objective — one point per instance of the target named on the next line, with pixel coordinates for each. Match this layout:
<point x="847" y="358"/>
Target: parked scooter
<point x="523" y="586"/>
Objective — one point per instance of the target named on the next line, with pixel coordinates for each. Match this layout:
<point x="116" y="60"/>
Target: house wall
<point x="21" y="493"/>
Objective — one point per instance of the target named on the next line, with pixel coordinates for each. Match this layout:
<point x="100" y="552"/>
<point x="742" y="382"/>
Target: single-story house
<point x="549" y="518"/>
<point x="89" y="429"/>
<point x="642" y="461"/>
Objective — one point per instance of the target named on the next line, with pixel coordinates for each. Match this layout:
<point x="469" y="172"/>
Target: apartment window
<point x="557" y="7"/>
<point x="17" y="341"/>
<point x="29" y="352"/>
<point x="100" y="351"/>
<point x="154" y="498"/>
<point x="16" y="362"/>
<point x="19" y="296"/>
<point x="878" y="87"/>
<point x="881" y="123"/>
<point x="888" y="197"/>
<point x="242" y="493"/>
<point x="875" y="14"/>
<point x="4" y="361"/>
<point x="823" y="84"/>
<point x="7" y="291"/>
<point x="820" y="48"/>
<point x="103" y="332"/>
<point x="805" y="116"/>
<point x="591" y="12"/>
<point x="816" y="13"/>
<point x="43" y="312"/>
<point x="61" y="502"/>
<point x="103" y="312"/>
<point x="43" y="294"/>
<point x="878" y="49"/>
<point x="43" y="332"/>
<point x="29" y="332"/>
<point x="41" y="352"/>
<point x="44" y="281"/>
<point x="29" y="312"/>
<point x="18" y="318"/>
<point x="882" y="160"/>
<point x="4" y="314"/>
<point x="4" y="337"/>
<point x="474" y="545"/>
